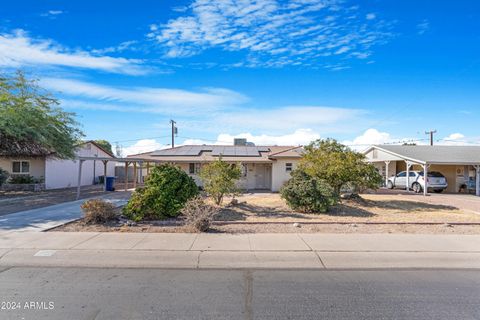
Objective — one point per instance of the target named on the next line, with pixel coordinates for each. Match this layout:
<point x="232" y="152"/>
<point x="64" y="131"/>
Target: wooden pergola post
<point x="140" y="173"/>
<point x="105" y="174"/>
<point x="148" y="168"/>
<point x="126" y="175"/>
<point x="134" y="174"/>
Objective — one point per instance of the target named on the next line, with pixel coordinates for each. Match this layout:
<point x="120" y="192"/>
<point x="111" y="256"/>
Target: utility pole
<point x="431" y="133"/>
<point x="174" y="132"/>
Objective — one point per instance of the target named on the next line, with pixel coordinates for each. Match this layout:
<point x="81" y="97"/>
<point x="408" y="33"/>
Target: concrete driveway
<point x="41" y="219"/>
<point x="466" y="202"/>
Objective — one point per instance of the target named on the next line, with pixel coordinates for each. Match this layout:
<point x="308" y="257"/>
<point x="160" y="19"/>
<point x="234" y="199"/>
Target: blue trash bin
<point x="110" y="186"/>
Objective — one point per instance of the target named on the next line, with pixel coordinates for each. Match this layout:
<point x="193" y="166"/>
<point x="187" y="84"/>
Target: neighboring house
<point x="263" y="167"/>
<point x="459" y="164"/>
<point x="57" y="173"/>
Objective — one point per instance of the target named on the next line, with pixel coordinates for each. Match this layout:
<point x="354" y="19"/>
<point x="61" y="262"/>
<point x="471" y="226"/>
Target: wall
<point x="382" y="167"/>
<point x="64" y="173"/>
<point x="279" y="175"/>
<point x="37" y="165"/>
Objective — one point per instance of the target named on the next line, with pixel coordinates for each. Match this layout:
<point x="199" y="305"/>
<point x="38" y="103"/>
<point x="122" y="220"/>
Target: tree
<point x="31" y="121"/>
<point x="105" y="145"/>
<point x="339" y="166"/>
<point x="219" y="179"/>
<point x="308" y="194"/>
<point x="166" y="191"/>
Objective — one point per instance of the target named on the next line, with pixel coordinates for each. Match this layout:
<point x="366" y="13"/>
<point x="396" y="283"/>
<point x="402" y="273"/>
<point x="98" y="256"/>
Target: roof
<point x="206" y="153"/>
<point x="98" y="146"/>
<point x="433" y="154"/>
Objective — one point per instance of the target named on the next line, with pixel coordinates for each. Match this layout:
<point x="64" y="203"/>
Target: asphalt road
<point x="87" y="293"/>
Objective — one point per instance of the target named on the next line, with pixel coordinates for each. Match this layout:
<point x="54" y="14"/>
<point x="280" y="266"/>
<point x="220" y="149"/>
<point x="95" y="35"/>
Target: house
<point x="459" y="164"/>
<point x="263" y="167"/>
<point x="57" y="173"/>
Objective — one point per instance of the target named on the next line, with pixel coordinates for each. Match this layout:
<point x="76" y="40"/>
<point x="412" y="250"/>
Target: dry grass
<point x="371" y="208"/>
<point x="347" y="217"/>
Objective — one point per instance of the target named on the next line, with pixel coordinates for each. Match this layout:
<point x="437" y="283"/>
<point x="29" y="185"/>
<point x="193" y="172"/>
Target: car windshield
<point x="433" y="174"/>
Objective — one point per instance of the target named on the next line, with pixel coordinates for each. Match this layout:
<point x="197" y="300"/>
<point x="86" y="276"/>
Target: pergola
<point x="127" y="161"/>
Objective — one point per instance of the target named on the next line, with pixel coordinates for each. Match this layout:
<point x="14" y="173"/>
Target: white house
<point x="263" y="167"/>
<point x="58" y="173"/>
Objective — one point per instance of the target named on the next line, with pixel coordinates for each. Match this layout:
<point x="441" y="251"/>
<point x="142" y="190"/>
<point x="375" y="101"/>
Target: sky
<point x="276" y="72"/>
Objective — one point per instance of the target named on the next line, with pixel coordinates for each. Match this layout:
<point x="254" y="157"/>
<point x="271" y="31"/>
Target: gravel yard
<point x="267" y="212"/>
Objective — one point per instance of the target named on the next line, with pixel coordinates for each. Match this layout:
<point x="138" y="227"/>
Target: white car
<point x="436" y="181"/>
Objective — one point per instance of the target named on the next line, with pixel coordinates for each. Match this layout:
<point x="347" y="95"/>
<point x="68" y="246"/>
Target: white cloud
<point x="455" y="139"/>
<point x="52" y="14"/>
<point x="298" y="137"/>
<point x="126" y="45"/>
<point x="272" y="33"/>
<point x="146" y="99"/>
<point x="17" y="50"/>
<point x="423" y="27"/>
<point x="455" y="136"/>
<point x="141" y="146"/>
<point x="369" y="137"/>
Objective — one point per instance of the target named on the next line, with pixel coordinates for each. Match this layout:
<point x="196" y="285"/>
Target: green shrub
<point x="198" y="214"/>
<point x="166" y="191"/>
<point x="219" y="179"/>
<point x="308" y="194"/>
<point x="97" y="211"/>
<point x="3" y="176"/>
<point x="21" y="179"/>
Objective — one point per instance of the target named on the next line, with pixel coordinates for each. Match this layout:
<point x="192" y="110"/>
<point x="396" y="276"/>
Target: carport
<point x="457" y="161"/>
<point x="136" y="162"/>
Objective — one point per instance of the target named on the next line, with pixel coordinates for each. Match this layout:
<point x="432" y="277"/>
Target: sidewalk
<point x="45" y="218"/>
<point x="181" y="250"/>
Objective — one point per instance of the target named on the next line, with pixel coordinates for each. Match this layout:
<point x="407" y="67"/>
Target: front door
<point x="260" y="176"/>
<point x="263" y="176"/>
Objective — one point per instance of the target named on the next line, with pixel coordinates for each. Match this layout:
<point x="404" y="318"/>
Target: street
<point x="107" y="293"/>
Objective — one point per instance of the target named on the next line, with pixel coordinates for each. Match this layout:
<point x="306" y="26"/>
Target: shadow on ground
<point x="362" y="208"/>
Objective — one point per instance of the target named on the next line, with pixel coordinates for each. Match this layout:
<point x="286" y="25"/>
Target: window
<point x="244" y="170"/>
<point x="20" y="167"/>
<point x="288" y="167"/>
<point x="194" y="168"/>
<point x="402" y="174"/>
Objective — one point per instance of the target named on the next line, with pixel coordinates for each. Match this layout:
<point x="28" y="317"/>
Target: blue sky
<point x="277" y="72"/>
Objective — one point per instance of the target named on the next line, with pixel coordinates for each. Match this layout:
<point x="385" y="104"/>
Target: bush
<point x="97" y="211"/>
<point x="21" y="179"/>
<point x="198" y="214"/>
<point x="3" y="176"/>
<point x="219" y="179"/>
<point x="166" y="191"/>
<point x="308" y="194"/>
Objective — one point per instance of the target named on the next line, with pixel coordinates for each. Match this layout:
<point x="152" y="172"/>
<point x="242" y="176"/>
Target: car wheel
<point x="438" y="190"/>
<point x="417" y="187"/>
<point x="390" y="185"/>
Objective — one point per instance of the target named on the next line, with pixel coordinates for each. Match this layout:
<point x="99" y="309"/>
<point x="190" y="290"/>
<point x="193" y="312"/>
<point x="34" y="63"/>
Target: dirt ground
<point x="268" y="213"/>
